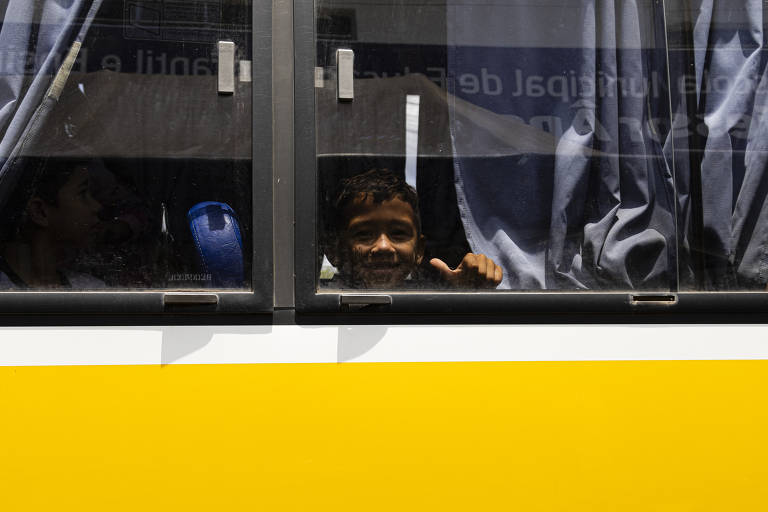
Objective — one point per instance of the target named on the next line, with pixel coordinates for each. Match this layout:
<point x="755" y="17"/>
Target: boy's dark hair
<point x="380" y="185"/>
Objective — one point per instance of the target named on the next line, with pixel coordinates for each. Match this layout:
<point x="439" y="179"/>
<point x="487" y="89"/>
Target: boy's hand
<point x="474" y="271"/>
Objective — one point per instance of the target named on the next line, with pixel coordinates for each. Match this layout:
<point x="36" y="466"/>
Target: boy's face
<point x="381" y="244"/>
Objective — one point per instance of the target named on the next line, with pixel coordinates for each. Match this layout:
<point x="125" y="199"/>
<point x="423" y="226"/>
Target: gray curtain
<point x="596" y="210"/>
<point x="721" y="110"/>
<point x="39" y="44"/>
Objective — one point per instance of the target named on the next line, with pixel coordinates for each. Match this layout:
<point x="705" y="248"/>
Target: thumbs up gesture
<point x="474" y="271"/>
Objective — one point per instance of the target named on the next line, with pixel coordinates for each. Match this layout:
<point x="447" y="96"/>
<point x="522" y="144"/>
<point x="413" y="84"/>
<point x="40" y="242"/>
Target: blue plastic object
<point x="219" y="244"/>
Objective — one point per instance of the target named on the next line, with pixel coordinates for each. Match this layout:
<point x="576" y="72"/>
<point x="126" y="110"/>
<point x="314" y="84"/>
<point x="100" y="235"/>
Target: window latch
<point x="658" y="299"/>
<point x="351" y="303"/>
<point x="190" y="299"/>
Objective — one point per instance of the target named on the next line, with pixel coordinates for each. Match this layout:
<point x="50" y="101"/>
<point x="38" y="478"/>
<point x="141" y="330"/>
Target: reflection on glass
<point x="537" y="135"/>
<point x="720" y="98"/>
<point x="123" y="166"/>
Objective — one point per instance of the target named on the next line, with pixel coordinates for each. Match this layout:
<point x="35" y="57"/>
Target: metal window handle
<point x="345" y="78"/>
<point x="226" y="67"/>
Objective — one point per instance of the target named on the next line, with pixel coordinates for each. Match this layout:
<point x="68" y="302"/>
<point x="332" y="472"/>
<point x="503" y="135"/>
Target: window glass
<point x="720" y="97"/>
<point x="126" y="145"/>
<point x="518" y="146"/>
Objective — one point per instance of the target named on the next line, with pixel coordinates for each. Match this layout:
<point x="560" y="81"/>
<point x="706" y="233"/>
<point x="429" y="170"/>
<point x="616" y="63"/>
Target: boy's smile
<point x="382" y="242"/>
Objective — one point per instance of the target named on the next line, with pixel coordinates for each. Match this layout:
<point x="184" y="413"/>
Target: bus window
<point x="718" y="61"/>
<point x="127" y="148"/>
<point x="593" y="155"/>
<point x="496" y="148"/>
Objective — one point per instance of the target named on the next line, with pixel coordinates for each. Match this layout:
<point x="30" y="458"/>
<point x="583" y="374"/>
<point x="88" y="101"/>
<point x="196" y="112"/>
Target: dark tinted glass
<point x="126" y="144"/>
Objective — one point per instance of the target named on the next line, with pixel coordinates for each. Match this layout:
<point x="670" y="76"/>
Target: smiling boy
<point x="376" y="240"/>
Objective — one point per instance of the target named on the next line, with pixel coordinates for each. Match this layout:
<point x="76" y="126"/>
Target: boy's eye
<point x="400" y="235"/>
<point x="362" y="235"/>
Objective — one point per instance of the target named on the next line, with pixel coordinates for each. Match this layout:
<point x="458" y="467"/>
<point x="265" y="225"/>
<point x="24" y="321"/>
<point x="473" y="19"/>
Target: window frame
<point x="674" y="305"/>
<point x="154" y="302"/>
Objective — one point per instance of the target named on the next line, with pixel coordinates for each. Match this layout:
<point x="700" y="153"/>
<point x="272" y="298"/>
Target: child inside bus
<point x="375" y="240"/>
<point x="52" y="217"/>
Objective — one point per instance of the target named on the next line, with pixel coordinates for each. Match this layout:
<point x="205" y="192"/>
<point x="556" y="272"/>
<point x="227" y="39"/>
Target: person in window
<point x="121" y="254"/>
<point x="46" y="228"/>
<point x="375" y="240"/>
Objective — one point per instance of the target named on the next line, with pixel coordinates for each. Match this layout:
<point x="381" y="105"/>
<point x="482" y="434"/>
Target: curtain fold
<point x="598" y="211"/>
<point x="39" y="40"/>
<point x="728" y="231"/>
